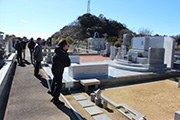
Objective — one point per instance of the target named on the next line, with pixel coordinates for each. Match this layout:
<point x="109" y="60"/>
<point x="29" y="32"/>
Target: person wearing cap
<point x="38" y="57"/>
<point x="60" y="61"/>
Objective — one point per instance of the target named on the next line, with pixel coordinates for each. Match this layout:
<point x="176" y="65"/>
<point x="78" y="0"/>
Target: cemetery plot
<point x="156" y="100"/>
<point x="100" y="113"/>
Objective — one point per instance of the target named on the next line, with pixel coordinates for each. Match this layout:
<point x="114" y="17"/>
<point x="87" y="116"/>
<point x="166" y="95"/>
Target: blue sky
<point x="42" y="18"/>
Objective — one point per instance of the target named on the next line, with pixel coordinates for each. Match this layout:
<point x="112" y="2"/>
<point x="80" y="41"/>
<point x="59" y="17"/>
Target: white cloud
<point x="24" y="21"/>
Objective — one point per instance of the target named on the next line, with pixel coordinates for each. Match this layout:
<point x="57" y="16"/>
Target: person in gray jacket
<point x="38" y="57"/>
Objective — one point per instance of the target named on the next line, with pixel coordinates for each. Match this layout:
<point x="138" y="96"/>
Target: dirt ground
<point x="111" y="112"/>
<point x="156" y="100"/>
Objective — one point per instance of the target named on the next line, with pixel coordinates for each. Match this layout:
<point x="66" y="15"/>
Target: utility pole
<point x="88" y="7"/>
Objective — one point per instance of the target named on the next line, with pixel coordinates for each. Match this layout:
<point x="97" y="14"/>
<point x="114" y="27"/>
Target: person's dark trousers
<point x="19" y="56"/>
<point x="37" y="67"/>
<point x="56" y="85"/>
<point x="31" y="53"/>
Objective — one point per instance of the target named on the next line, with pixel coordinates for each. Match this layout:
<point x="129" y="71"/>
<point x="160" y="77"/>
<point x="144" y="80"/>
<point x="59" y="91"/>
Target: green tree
<point x="70" y="40"/>
<point x="112" y="39"/>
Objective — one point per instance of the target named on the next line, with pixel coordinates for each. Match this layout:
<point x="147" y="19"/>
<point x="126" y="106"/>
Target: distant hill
<point x="86" y="25"/>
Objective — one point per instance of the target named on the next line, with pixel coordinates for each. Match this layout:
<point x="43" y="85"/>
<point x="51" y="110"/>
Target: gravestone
<point x="156" y="58"/>
<point x="126" y="39"/>
<point x="179" y="84"/>
<point x="118" y="55"/>
<point x="10" y="44"/>
<point x="49" y="56"/>
<point x="1" y="40"/>
<point x="53" y="42"/>
<point x="124" y="50"/>
<point x="142" y="44"/>
<point x="45" y="50"/>
<point x="1" y="55"/>
<point x="106" y="52"/>
<point x="113" y="52"/>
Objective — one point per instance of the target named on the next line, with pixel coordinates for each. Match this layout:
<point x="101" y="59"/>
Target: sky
<point x="42" y="18"/>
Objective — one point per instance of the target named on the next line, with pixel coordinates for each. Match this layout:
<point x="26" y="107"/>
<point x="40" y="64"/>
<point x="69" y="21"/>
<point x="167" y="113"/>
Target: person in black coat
<point x="19" y="52"/>
<point x="31" y="46"/>
<point x="60" y="61"/>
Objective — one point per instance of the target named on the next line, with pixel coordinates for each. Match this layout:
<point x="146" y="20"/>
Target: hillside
<point x="85" y="26"/>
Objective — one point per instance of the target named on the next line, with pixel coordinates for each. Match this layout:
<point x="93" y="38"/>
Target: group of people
<point x="60" y="61"/>
<point x="20" y="47"/>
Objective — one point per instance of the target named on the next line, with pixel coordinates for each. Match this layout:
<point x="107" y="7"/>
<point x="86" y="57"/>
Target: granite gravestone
<point x="113" y="52"/>
<point x="2" y="52"/>
<point x="141" y="45"/>
<point x="49" y="55"/>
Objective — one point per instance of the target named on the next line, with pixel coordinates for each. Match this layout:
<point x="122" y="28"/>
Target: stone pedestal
<point x="98" y="101"/>
<point x="105" y="104"/>
<point x="93" y="95"/>
<point x="49" y="56"/>
<point x="113" y="51"/>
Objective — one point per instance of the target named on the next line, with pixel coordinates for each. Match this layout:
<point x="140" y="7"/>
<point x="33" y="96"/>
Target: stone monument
<point x="49" y="56"/>
<point x="2" y="52"/>
<point x="106" y="52"/>
<point x="9" y="45"/>
<point x="53" y="43"/>
<point x="96" y="43"/>
<point x="45" y="50"/>
<point x="113" y="52"/>
<point x="126" y="42"/>
<point x="118" y="55"/>
<point x="141" y="53"/>
<point x="98" y="97"/>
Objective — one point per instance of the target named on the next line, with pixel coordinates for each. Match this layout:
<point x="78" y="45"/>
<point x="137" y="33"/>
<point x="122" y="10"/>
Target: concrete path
<point x="29" y="100"/>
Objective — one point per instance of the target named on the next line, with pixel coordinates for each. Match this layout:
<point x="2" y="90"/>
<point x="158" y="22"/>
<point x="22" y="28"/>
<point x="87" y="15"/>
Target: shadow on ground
<point x="68" y="112"/>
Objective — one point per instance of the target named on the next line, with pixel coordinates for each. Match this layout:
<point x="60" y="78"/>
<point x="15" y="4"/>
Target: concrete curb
<point x="74" y="111"/>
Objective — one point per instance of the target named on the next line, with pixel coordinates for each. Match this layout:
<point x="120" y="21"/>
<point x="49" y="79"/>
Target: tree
<point x="177" y="38"/>
<point x="70" y="40"/>
<point x="145" y="32"/>
<point x="112" y="39"/>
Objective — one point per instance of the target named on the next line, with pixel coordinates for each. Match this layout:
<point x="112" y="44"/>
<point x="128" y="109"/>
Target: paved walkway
<point x="29" y="100"/>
